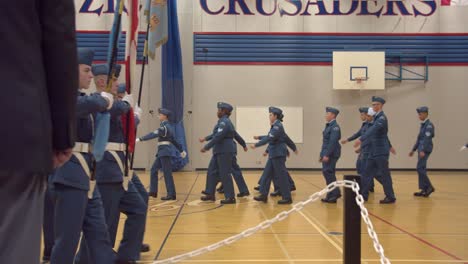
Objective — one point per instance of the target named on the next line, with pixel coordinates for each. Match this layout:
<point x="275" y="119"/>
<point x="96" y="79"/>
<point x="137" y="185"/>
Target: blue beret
<point x="226" y="106"/>
<point x="103" y="69"/>
<point x="85" y="56"/>
<point x="332" y="110"/>
<point x="165" y="111"/>
<point x="422" y="109"/>
<point x="275" y="110"/>
<point x="378" y="99"/>
<point x="100" y="69"/>
<point x="363" y="110"/>
<point x="122" y="88"/>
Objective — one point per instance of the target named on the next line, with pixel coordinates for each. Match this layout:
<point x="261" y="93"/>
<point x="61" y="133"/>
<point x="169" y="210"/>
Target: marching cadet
<point x="276" y="164"/>
<point x="166" y="139"/>
<point x="78" y="208"/>
<point x="236" y="170"/>
<point x="377" y="165"/>
<point x="121" y="91"/>
<point x="118" y="192"/>
<point x="223" y="156"/>
<point x="424" y="148"/>
<point x="331" y="152"/>
<point x="365" y="124"/>
<point x="290" y="144"/>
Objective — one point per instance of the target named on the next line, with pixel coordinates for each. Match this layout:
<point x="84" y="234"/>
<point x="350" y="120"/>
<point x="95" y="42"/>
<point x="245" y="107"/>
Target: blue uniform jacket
<point x="424" y="141"/>
<point x="377" y="133"/>
<point x="108" y="170"/>
<point x="331" y="136"/>
<point x="71" y="173"/>
<point x="237" y="139"/>
<point x="276" y="141"/>
<point x="359" y="133"/>
<point x="164" y="133"/>
<point x="222" y="141"/>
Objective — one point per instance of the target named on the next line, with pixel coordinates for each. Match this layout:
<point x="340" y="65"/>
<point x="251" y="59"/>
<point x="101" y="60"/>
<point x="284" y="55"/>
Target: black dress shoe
<point x="204" y="193"/>
<point x="285" y="201"/>
<point x="371" y="189"/>
<point x="388" y="200"/>
<point x="326" y="200"/>
<point x="153" y="194"/>
<point x="145" y="248"/>
<point x="428" y="192"/>
<point x="208" y="198"/>
<point x="419" y="194"/>
<point x="257" y="188"/>
<point x="168" y="198"/>
<point x="243" y="194"/>
<point x="293" y="188"/>
<point x="228" y="201"/>
<point x="275" y="193"/>
<point x="261" y="198"/>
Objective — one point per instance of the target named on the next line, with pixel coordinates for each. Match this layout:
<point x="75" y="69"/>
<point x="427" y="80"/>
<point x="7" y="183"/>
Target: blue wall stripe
<point x="250" y="48"/>
<point x="99" y="42"/>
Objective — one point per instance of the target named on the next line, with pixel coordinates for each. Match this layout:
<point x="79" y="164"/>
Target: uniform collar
<point x="164" y="122"/>
<point x="331" y="122"/>
<point x="425" y="121"/>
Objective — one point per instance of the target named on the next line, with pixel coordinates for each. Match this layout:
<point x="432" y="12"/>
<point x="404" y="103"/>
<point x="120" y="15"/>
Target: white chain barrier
<point x="283" y="215"/>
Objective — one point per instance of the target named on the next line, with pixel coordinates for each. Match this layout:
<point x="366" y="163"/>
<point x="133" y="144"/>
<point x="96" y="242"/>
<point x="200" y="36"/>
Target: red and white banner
<point x="454" y="2"/>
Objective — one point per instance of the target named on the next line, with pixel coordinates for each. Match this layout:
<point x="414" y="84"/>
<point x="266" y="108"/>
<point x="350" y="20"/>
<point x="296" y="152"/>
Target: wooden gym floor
<point x="414" y="230"/>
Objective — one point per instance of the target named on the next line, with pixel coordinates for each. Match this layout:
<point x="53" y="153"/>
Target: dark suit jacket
<point x="39" y="80"/>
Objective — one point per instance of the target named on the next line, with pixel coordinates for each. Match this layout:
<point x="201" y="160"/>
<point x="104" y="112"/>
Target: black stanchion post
<point x="351" y="224"/>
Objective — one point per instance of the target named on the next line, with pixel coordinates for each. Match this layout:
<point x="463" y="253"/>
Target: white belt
<point x="84" y="165"/>
<point x="163" y="143"/>
<point x="111" y="146"/>
<point x="121" y="166"/>
<point x="82" y="147"/>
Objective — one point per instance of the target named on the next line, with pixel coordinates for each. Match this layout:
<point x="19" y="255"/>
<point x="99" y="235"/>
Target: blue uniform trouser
<point x="48" y="222"/>
<point x="275" y="169"/>
<point x="140" y="188"/>
<point x="74" y="213"/>
<point x="424" y="182"/>
<point x="361" y="163"/>
<point x="220" y="166"/>
<point x="116" y="200"/>
<point x="290" y="180"/>
<point x="238" y="177"/>
<point x="377" y="167"/>
<point x="329" y="170"/>
<point x="166" y="166"/>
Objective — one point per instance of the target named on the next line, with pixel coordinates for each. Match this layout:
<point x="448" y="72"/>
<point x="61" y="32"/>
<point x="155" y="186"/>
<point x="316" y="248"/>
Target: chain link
<point x="283" y="215"/>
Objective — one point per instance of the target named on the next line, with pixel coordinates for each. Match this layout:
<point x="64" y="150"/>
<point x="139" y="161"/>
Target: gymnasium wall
<point x="219" y="77"/>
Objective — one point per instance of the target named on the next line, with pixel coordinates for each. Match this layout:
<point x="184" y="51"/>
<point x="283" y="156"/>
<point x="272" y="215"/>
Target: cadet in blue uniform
<point x="424" y="148"/>
<point x="276" y="164"/>
<point x="121" y="91"/>
<point x="165" y="135"/>
<point x="365" y="124"/>
<point x="236" y="170"/>
<point x="377" y="165"/>
<point x="119" y="195"/>
<point x="77" y="206"/>
<point x="223" y="156"/>
<point x="331" y="152"/>
<point x="290" y="144"/>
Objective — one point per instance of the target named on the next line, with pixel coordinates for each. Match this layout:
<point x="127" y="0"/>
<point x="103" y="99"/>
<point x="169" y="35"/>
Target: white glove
<point x="110" y="99"/>
<point x="137" y="140"/>
<point x="183" y="154"/>
<point x="137" y="111"/>
<point x="463" y="148"/>
<point x="129" y="99"/>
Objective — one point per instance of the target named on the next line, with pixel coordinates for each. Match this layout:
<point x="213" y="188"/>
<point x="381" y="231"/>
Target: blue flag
<point x="156" y="12"/>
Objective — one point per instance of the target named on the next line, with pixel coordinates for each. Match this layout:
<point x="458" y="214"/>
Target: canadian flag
<point x="454" y="2"/>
